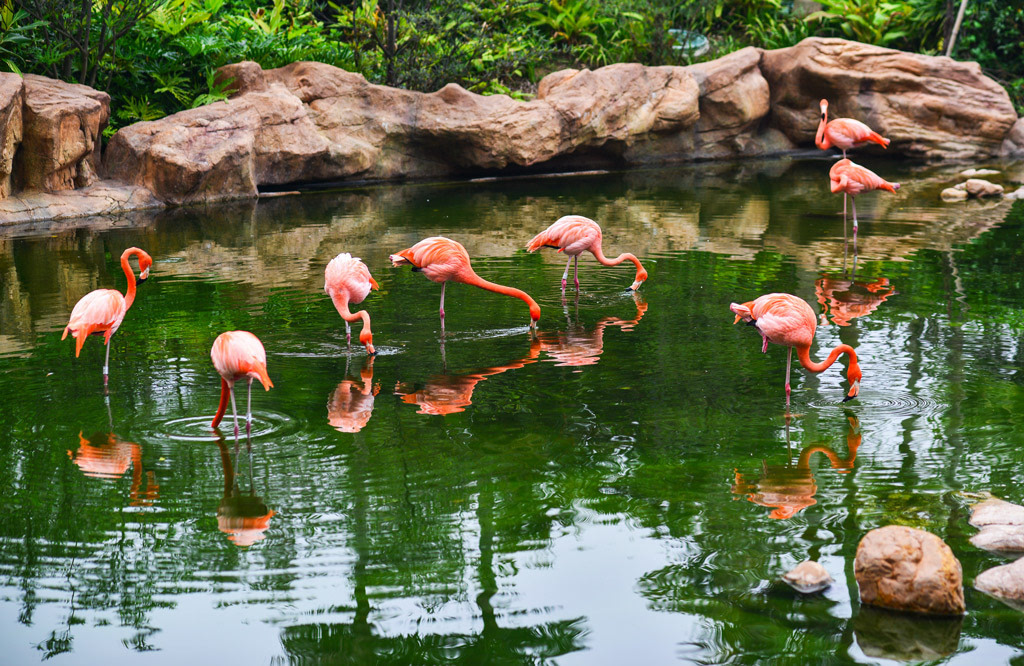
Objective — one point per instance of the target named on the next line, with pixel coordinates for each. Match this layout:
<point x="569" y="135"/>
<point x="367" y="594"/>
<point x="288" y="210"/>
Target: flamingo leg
<point x="106" y="363"/>
<point x="853" y="203"/>
<point x="348" y="333"/>
<point x="565" y="275"/>
<point x="575" y="274"/>
<point x="789" y="363"/>
<point x="764" y="346"/>
<point x="248" y="410"/>
<point x="443" y="285"/>
<point x="234" y="411"/>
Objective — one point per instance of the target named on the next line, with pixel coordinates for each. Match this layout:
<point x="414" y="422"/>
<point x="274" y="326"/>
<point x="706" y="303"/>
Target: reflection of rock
<point x="449" y="394"/>
<point x="1002" y="526"/>
<point x="907" y="569"/>
<point x="846" y="299"/>
<point x="106" y="456"/>
<point x="351" y="405"/>
<point x="808" y="577"/>
<point x="886" y="635"/>
<point x="1005" y="583"/>
<point x="929" y="106"/>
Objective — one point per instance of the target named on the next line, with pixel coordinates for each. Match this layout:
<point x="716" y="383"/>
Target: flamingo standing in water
<point x="347" y="280"/>
<point x="238" y="354"/>
<point x="574" y="234"/>
<point x="787" y="320"/>
<point x="103" y="310"/>
<point x="844" y="133"/>
<point x="853" y="179"/>
<point x="442" y="260"/>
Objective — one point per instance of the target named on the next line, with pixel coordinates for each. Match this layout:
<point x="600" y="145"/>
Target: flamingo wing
<point x="572" y="234"/>
<point x="349" y="274"/>
<point x="439" y="258"/>
<point x="98" y="311"/>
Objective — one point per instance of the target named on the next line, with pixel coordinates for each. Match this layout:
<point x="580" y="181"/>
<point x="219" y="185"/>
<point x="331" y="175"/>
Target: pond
<point x="625" y="487"/>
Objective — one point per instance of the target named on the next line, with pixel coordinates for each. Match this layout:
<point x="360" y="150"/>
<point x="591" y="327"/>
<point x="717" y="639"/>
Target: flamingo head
<point x="853" y="375"/>
<point x="742" y="312"/>
<point x="824" y="107"/>
<point x="641" y="277"/>
<point x="145" y="261"/>
<point x="399" y="260"/>
<point x="366" y="339"/>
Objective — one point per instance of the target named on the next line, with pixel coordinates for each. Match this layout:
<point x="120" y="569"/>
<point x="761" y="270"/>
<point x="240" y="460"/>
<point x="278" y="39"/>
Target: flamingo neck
<point x="820" y="139"/>
<point x="804" y="354"/>
<point x="477" y="281"/>
<point x="129" y="296"/>
<point x="641" y="274"/>
<point x="833" y="457"/>
<point x="225" y="394"/>
<point x="341" y="304"/>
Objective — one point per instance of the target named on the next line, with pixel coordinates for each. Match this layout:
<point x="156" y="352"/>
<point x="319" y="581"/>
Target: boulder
<point x="313" y="122"/>
<point x="1013" y="144"/>
<point x="995" y="511"/>
<point x="1005" y="583"/>
<point x="906" y="569"/>
<point x="808" y="577"/>
<point x="953" y="194"/>
<point x="12" y="94"/>
<point x="1016" y="194"/>
<point x="1002" y="526"/>
<point x="931" y="107"/>
<point x="62" y="127"/>
<point x="977" y="187"/>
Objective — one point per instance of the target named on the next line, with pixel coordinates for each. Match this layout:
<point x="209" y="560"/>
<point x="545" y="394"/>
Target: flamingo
<point x="787" y="320"/>
<point x="844" y="133"/>
<point x="103" y="310"/>
<point x="238" y="354"/>
<point x="853" y="179"/>
<point x="574" y="234"/>
<point x="347" y="280"/>
<point x="442" y="260"/>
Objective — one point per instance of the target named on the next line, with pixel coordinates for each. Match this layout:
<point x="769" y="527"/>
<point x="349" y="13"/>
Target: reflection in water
<point x="351" y="405"/>
<point x="789" y="489"/>
<point x="906" y="636"/>
<point x="846" y="298"/>
<point x="104" y="455"/>
<point x="449" y="394"/>
<point x="241" y="515"/>
<point x="578" y="347"/>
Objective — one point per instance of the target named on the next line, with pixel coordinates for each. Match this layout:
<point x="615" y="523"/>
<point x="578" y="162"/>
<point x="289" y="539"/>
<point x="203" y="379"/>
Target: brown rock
<point x="12" y="94"/>
<point x="907" y="569"/>
<point x="954" y="194"/>
<point x="734" y="97"/>
<point x="808" y="577"/>
<point x="1004" y="539"/>
<point x="1005" y="583"/>
<point x="976" y="187"/>
<point x="61" y="138"/>
<point x="929" y="106"/>
<point x="1013" y="144"/>
<point x="106" y="198"/>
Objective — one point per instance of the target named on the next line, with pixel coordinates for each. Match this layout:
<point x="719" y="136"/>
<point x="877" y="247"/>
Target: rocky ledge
<point x="309" y="122"/>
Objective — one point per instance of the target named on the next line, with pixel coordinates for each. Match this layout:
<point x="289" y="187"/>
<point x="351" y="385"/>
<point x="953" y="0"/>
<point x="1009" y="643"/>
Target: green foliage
<point x="993" y="35"/>
<point x="15" y="30"/>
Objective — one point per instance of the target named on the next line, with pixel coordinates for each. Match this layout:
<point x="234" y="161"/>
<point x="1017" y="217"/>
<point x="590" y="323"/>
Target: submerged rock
<point x="1005" y="583"/>
<point x="977" y="187"/>
<point x="906" y="569"/>
<point x="995" y="511"/>
<point x="808" y="577"/>
<point x="953" y="194"/>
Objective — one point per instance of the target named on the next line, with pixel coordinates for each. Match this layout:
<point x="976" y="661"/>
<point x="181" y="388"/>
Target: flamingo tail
<point x="225" y="392"/>
<point x="875" y="137"/>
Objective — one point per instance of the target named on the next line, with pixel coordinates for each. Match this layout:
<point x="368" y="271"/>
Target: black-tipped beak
<point x="849" y="398"/>
<point x="141" y="280"/>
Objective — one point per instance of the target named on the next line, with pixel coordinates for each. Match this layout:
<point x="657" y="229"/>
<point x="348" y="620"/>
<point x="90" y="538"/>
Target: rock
<point x="1016" y="194"/>
<point x="883" y="634"/>
<point x="902" y="568"/>
<point x="995" y="511"/>
<point x="313" y="122"/>
<point x="1013" y="144"/>
<point x="12" y="94"/>
<point x="931" y="107"/>
<point x="954" y="194"/>
<point x="808" y="577"/>
<point x="1005" y="583"/>
<point x="976" y="173"/>
<point x="62" y="126"/>
<point x="976" y="187"/>
<point x="104" y="197"/>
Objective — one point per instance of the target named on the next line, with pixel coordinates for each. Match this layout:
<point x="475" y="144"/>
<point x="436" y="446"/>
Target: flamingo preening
<point x="238" y="354"/>
<point x="844" y="133"/>
<point x="103" y="310"/>
<point x="574" y="235"/>
<point x="853" y="179"/>
<point x="787" y="320"/>
<point x="347" y="280"/>
<point x="444" y="260"/>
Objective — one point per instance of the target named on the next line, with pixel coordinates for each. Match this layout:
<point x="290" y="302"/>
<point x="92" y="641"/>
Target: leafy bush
<point x="993" y="35"/>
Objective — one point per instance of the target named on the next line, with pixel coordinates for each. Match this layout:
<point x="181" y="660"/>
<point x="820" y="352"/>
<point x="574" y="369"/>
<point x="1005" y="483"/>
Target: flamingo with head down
<point x="347" y="280"/>
<point x="238" y="355"/>
<point x="574" y="235"/>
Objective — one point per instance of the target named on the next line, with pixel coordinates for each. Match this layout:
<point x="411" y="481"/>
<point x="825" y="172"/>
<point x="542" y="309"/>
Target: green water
<point x="626" y="488"/>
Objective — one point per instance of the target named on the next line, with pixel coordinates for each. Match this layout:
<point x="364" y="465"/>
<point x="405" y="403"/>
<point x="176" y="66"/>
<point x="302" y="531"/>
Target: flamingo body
<point x="574" y="235"/>
<point x="103" y="310"/>
<point x="347" y="280"/>
<point x="853" y="179"/>
<point x="786" y="320"/>
<point x="443" y="260"/>
<point x="844" y="133"/>
<point x="238" y="355"/>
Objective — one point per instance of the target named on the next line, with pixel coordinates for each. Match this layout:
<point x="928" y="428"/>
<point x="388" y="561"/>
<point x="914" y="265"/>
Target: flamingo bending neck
<point x="475" y="280"/>
<point x="853" y="373"/>
<point x="641" y="274"/>
<point x="366" y="335"/>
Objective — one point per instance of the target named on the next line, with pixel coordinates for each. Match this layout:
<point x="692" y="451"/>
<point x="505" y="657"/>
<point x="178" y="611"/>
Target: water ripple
<point x="197" y="428"/>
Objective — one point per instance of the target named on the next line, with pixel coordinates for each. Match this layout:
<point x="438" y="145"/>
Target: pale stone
<point x="12" y="93"/>
<point x="808" y="577"/>
<point x="954" y="194"/>
<point x="977" y="173"/>
<point x="976" y="187"/>
<point x="995" y="511"/>
<point x="1005" y="583"/>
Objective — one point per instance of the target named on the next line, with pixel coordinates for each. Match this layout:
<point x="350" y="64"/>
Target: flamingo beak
<point x="636" y="285"/>
<point x="144" y="275"/>
<point x="854" y="390"/>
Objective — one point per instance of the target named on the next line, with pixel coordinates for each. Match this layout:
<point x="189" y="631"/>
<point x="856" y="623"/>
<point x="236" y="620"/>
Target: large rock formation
<point x="931" y="107"/>
<point x="902" y="568"/>
<point x="61" y="137"/>
<point x="12" y="92"/>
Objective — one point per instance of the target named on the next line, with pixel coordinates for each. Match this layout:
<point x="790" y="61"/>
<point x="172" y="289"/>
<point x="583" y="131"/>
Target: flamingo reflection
<point x="788" y="489"/>
<point x="350" y="406"/>
<point x="104" y="455"/>
<point x="847" y="298"/>
<point x="578" y="347"/>
<point x="241" y="514"/>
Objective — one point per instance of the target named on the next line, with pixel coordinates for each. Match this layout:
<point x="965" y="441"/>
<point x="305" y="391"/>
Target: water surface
<point x="626" y="487"/>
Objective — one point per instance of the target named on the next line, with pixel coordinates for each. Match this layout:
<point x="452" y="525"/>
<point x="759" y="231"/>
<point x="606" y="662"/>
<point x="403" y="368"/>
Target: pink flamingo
<point x="442" y="260"/>
<point x="844" y="133"/>
<point x="574" y="234"/>
<point x="853" y="179"/>
<point x="787" y="320"/>
<point x="347" y="280"/>
<point x="103" y="310"/>
<point x="238" y="354"/>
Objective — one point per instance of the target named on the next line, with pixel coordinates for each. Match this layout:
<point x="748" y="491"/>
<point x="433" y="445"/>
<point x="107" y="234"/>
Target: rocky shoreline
<point x="310" y="123"/>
